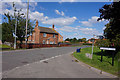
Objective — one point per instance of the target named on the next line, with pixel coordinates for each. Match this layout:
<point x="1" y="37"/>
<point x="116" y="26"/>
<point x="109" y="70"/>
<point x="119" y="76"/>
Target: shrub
<point x="102" y="43"/>
<point x="87" y="44"/>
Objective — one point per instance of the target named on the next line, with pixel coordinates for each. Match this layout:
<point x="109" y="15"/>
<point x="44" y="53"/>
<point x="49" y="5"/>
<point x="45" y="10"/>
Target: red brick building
<point x="44" y="35"/>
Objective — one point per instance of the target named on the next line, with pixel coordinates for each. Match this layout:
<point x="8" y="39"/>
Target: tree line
<point x="75" y="40"/>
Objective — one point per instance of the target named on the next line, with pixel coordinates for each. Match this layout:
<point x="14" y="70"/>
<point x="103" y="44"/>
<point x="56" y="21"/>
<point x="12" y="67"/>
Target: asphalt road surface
<point x="62" y="66"/>
<point x="12" y="59"/>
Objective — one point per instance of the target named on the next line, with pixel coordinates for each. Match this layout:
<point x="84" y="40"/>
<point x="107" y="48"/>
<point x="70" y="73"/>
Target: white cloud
<point x="79" y="30"/>
<point x="38" y="16"/>
<point x="67" y="1"/>
<point x="18" y="4"/>
<point x="104" y="28"/>
<point x="60" y="13"/>
<point x="90" y="22"/>
<point x="60" y="21"/>
<point x="68" y="29"/>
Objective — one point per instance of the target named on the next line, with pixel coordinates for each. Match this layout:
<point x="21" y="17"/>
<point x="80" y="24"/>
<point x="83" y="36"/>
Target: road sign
<point x="104" y="48"/>
<point x="113" y="53"/>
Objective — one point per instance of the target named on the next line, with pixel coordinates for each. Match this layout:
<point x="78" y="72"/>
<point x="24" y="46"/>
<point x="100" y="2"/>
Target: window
<point x="43" y="41"/>
<point x="51" y="42"/>
<point x="44" y="35"/>
<point x="53" y="35"/>
<point x="29" y="40"/>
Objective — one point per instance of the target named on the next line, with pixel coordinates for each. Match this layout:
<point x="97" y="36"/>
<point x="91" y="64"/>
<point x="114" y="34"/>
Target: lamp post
<point x="27" y="24"/>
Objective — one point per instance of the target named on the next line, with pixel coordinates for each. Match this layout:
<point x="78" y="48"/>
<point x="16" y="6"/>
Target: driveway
<point x="13" y="59"/>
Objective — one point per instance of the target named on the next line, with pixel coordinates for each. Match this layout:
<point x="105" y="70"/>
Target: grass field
<point x="106" y="65"/>
<point x="4" y="46"/>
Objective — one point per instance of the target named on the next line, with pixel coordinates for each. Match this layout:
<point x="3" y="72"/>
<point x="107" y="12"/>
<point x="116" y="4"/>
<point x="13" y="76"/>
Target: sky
<point x="71" y="18"/>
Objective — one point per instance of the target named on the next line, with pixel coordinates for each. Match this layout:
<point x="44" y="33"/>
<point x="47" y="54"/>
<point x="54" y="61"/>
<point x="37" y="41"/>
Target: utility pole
<point x="15" y="24"/>
<point x="92" y="47"/>
<point x="27" y="23"/>
<point x="15" y="32"/>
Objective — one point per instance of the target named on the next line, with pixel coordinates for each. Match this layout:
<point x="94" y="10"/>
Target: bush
<point x="102" y="43"/>
<point x="87" y="44"/>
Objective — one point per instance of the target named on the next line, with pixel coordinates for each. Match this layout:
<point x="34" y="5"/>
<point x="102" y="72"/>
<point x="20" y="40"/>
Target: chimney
<point x="53" y="26"/>
<point x="37" y="23"/>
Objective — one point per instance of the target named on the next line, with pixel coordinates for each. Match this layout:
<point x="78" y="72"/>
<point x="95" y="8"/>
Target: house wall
<point x="60" y="38"/>
<point x="36" y="35"/>
<point x="50" y="37"/>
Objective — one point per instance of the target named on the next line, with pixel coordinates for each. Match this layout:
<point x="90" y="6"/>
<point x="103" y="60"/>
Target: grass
<point x="105" y="65"/>
<point x="4" y="46"/>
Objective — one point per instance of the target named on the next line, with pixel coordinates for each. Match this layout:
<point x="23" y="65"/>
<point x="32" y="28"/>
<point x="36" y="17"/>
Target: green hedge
<point x="87" y="44"/>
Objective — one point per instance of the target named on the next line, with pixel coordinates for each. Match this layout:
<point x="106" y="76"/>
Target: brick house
<point x="44" y="35"/>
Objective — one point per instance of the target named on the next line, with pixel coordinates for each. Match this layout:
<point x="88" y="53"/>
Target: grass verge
<point x="4" y="46"/>
<point x="105" y="65"/>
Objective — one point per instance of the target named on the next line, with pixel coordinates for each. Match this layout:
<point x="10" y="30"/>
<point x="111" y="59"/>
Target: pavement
<point x="55" y="62"/>
<point x="60" y="66"/>
<point x="16" y="58"/>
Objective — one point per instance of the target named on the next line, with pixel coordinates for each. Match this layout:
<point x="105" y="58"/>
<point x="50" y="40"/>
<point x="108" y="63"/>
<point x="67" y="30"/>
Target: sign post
<point x="113" y="53"/>
<point x="101" y="55"/>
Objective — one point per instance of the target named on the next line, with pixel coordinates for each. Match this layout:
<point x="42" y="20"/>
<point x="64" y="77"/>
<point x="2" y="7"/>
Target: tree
<point x="83" y="39"/>
<point x="111" y="12"/>
<point x="79" y="40"/>
<point x="67" y="39"/>
<point x="8" y="27"/>
<point x="74" y="40"/>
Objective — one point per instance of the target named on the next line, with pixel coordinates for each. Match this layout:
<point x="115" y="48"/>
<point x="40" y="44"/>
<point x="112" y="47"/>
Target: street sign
<point x="113" y="53"/>
<point x="104" y="48"/>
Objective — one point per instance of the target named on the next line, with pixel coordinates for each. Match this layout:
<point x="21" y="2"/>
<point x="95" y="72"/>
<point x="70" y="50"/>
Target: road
<point x="12" y="59"/>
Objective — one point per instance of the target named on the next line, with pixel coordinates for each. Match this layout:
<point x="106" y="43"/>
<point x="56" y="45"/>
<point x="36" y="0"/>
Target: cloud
<point x="68" y="29"/>
<point x="7" y="6"/>
<point x="63" y="21"/>
<point x="90" y="22"/>
<point x="60" y="13"/>
<point x="79" y="30"/>
<point x="67" y="1"/>
<point x="37" y="16"/>
<point x="89" y="31"/>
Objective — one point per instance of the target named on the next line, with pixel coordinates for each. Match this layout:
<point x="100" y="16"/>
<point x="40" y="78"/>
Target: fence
<point x="32" y="45"/>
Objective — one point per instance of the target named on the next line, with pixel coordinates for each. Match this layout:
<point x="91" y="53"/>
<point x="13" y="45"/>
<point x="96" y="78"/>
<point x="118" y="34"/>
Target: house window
<point x="44" y="34"/>
<point x="51" y="42"/>
<point x="53" y="35"/>
<point x="43" y="41"/>
<point x="29" y="40"/>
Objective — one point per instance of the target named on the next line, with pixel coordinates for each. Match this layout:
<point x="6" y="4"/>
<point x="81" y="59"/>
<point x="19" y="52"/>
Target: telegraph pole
<point x="92" y="47"/>
<point x="15" y="24"/>
<point x="15" y="32"/>
<point x="27" y="23"/>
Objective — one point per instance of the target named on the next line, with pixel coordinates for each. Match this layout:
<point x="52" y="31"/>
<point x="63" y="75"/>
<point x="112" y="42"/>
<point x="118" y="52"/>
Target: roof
<point x="47" y="30"/>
